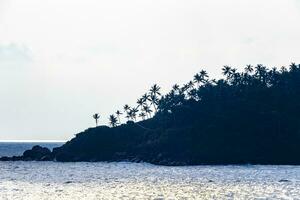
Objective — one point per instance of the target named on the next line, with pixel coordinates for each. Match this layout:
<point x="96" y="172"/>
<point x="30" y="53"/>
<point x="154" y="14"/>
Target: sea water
<point x="82" y="180"/>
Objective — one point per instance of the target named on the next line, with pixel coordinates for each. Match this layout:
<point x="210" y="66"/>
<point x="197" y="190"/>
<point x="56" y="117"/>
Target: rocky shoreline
<point x="38" y="153"/>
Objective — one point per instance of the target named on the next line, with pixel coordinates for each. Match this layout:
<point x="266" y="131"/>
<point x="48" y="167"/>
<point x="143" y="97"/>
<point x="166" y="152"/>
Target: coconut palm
<point x="142" y="115"/>
<point x="113" y="120"/>
<point x="155" y="90"/>
<point x="249" y="69"/>
<point x="96" y="116"/>
<point x="176" y="88"/>
<point x="118" y="113"/>
<point x="126" y="108"/>
<point x="132" y="113"/>
<point x="226" y="70"/>
<point x="197" y="79"/>
<point x="293" y="67"/>
<point x="203" y="75"/>
<point x="145" y="97"/>
<point x="147" y="110"/>
<point x="154" y="101"/>
<point x="140" y="102"/>
<point x="190" y="85"/>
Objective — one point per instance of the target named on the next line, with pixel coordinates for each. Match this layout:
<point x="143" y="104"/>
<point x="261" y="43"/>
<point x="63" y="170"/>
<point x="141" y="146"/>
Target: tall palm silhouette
<point x="132" y="114"/>
<point x="96" y="116"/>
<point x="154" y="101"/>
<point x="126" y="108"/>
<point x="154" y="93"/>
<point x="140" y="102"/>
<point x="145" y="97"/>
<point x="142" y="115"/>
<point x="197" y="79"/>
<point x="190" y="85"/>
<point x="134" y="111"/>
<point x="249" y="69"/>
<point x="204" y="76"/>
<point x="155" y="90"/>
<point x="113" y="120"/>
<point x="176" y="88"/>
<point x="118" y="113"/>
<point x="226" y="70"/>
<point x="147" y="110"/>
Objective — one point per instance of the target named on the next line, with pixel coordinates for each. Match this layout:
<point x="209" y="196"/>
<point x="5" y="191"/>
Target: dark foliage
<point x="247" y="117"/>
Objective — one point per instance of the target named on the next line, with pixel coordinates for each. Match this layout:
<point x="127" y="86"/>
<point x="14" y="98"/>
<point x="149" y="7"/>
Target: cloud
<point x="14" y="55"/>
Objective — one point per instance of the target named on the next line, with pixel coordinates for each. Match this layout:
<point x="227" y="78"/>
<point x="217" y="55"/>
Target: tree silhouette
<point x="140" y="102"/>
<point x="113" y="120"/>
<point x="154" y="93"/>
<point x="147" y="110"/>
<point x="176" y="88"/>
<point x="118" y="113"/>
<point x="154" y="101"/>
<point x="96" y="116"/>
<point x="142" y="115"/>
<point x="249" y="69"/>
<point x="203" y="76"/>
<point x="226" y="70"/>
<point x="155" y="90"/>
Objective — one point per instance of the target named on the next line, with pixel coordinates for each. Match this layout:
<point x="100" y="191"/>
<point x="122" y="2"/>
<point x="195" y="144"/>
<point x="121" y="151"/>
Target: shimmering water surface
<point x="51" y="180"/>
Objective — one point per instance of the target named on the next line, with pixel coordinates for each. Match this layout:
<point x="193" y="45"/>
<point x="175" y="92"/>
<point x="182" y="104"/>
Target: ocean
<point x="83" y="180"/>
<point x="17" y="148"/>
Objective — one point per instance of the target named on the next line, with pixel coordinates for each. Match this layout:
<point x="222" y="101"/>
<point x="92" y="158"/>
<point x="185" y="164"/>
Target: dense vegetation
<point x="246" y="117"/>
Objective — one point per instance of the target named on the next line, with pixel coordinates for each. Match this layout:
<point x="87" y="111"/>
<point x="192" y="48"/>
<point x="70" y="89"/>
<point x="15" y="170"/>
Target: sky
<point x="61" y="61"/>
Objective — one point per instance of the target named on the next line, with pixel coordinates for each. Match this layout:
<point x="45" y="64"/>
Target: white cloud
<point x="13" y="55"/>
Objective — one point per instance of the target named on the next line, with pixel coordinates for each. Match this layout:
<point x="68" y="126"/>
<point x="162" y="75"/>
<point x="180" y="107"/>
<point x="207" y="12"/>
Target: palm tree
<point x="145" y="97"/>
<point x="118" y="113"/>
<point x="140" y="102"/>
<point x="226" y="70"/>
<point x="113" y="120"/>
<point x="96" y="116"/>
<point x="132" y="113"/>
<point x="154" y="101"/>
<point x="249" y="69"/>
<point x="135" y="111"/>
<point x="293" y="67"/>
<point x="283" y="69"/>
<point x="147" y="110"/>
<point x="197" y="79"/>
<point x="142" y="115"/>
<point x="155" y="90"/>
<point x="126" y="108"/>
<point x="176" y="88"/>
<point x="204" y="76"/>
<point x="190" y="85"/>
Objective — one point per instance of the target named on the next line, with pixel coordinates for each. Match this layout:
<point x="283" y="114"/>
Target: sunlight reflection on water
<point x="51" y="180"/>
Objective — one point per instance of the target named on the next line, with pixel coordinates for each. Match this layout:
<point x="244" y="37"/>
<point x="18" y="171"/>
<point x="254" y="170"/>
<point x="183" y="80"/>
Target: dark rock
<point x="284" y="180"/>
<point x="16" y="158"/>
<point x="5" y="158"/>
<point x="64" y="157"/>
<point x="36" y="153"/>
<point x="46" y="158"/>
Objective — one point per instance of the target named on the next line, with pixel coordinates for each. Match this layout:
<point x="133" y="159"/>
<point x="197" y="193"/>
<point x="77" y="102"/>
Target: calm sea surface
<point x="52" y="180"/>
<point x="17" y="148"/>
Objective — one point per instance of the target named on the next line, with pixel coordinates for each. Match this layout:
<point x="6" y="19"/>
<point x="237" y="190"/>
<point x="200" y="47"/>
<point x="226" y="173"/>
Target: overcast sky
<point x="63" y="60"/>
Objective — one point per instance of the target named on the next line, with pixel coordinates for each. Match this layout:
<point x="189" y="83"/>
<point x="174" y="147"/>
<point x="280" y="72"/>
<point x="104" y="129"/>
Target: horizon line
<point x="34" y="141"/>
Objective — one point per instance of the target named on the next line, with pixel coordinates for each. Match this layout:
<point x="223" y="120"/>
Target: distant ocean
<point x="120" y="180"/>
<point x="17" y="148"/>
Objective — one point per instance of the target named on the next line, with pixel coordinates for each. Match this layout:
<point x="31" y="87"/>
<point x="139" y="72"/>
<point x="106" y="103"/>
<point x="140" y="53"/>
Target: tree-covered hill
<point x="247" y="117"/>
